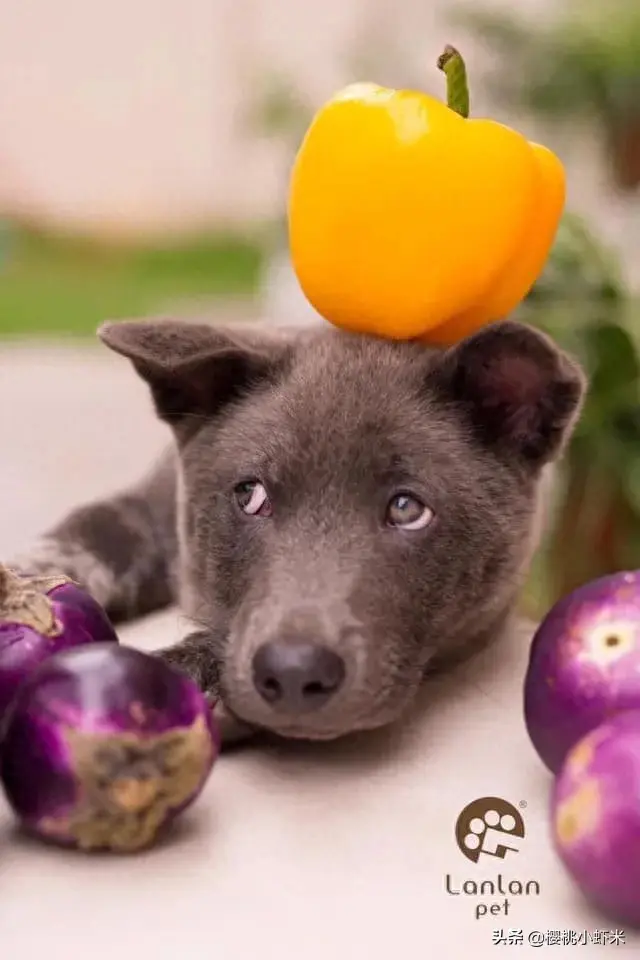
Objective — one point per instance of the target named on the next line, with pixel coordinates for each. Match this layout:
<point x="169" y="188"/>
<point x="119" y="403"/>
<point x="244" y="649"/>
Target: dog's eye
<point x="408" y="512"/>
<point x="253" y="499"/>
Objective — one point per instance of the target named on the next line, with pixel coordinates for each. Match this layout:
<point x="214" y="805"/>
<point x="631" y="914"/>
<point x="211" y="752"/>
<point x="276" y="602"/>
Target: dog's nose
<point x="297" y="677"/>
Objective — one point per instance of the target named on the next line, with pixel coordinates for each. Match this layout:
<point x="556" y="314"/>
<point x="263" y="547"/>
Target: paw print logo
<point x="489" y="826"/>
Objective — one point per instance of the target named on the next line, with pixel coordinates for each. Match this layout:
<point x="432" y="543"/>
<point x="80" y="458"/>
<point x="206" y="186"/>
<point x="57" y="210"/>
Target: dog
<point x="340" y="516"/>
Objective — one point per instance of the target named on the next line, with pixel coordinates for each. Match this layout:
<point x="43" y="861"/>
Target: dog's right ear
<point x="194" y="369"/>
<point x="515" y="388"/>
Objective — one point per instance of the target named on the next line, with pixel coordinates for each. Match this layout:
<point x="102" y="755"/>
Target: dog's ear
<point x="515" y="388"/>
<point x="194" y="369"/>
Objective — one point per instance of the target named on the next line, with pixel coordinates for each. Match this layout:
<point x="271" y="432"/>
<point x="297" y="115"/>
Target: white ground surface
<point x="299" y="853"/>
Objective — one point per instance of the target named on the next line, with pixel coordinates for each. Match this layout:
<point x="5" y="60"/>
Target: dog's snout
<point x="297" y="677"/>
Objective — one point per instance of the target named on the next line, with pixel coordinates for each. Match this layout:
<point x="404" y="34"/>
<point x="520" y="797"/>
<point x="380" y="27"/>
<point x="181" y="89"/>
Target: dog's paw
<point x="231" y="729"/>
<point x="194" y="657"/>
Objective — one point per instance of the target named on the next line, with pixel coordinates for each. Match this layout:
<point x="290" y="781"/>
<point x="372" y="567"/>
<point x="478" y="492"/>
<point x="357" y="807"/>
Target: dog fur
<point x="334" y="426"/>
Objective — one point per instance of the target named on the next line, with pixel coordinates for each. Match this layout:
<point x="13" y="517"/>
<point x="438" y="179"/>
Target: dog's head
<point x="353" y="511"/>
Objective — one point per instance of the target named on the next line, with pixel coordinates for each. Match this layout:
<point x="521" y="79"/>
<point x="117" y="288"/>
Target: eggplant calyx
<point x="130" y="784"/>
<point x="24" y="600"/>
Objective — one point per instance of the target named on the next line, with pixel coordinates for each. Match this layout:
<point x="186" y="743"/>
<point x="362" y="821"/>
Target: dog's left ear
<point x="515" y="388"/>
<point x="195" y="369"/>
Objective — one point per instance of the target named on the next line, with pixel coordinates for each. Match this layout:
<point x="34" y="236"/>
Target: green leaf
<point x="631" y="481"/>
<point x="614" y="360"/>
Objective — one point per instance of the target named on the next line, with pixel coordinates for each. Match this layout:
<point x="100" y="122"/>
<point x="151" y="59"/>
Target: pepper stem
<point x="452" y="65"/>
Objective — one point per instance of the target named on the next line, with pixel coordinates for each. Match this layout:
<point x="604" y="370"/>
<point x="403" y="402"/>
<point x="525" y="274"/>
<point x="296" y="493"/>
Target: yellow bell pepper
<point x="409" y="220"/>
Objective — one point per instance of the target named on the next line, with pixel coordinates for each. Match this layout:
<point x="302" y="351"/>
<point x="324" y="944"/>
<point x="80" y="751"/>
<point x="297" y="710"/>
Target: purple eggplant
<point x="584" y="664"/>
<point x="38" y="617"/>
<point x="596" y="817"/>
<point x="104" y="746"/>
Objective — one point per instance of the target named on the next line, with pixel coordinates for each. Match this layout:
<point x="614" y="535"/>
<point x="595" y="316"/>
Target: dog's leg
<point x="122" y="550"/>
<point x="195" y="656"/>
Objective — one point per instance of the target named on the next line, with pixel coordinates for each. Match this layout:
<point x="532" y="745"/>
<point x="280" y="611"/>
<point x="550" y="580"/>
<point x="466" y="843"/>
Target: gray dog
<point x="340" y="516"/>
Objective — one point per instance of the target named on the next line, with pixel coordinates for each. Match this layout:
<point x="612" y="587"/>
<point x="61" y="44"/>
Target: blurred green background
<point x="54" y="284"/>
<point x="567" y="72"/>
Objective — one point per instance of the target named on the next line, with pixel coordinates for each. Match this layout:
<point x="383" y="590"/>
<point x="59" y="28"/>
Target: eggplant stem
<point x="24" y="600"/>
<point x="7" y="583"/>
